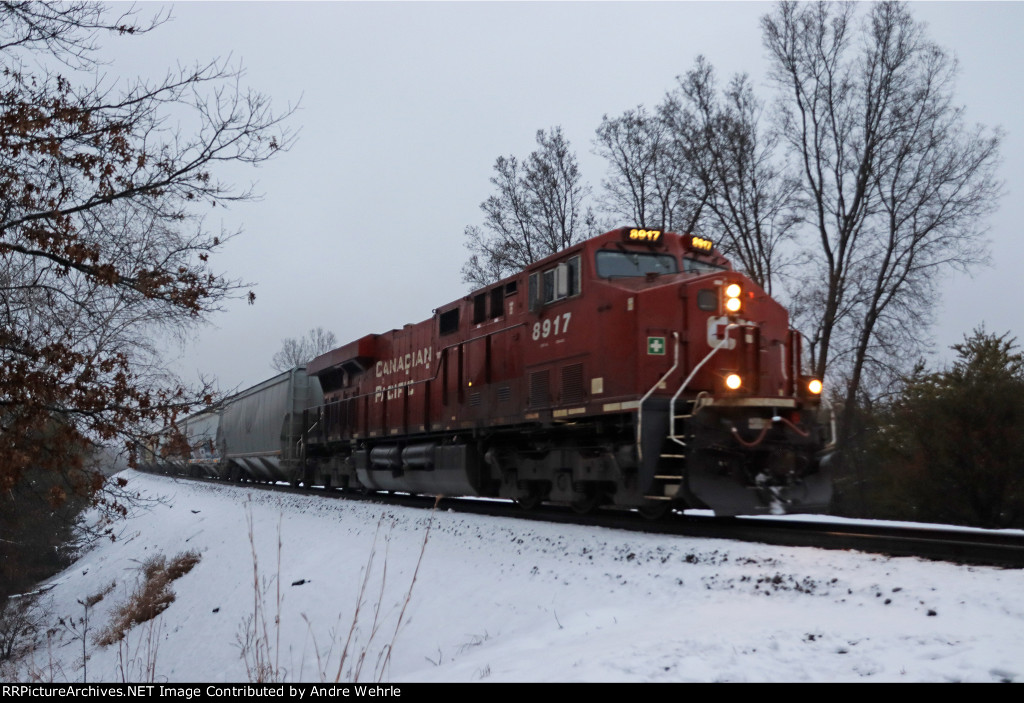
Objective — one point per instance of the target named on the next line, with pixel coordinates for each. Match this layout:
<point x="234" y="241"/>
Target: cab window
<point x="695" y="266"/>
<point x="628" y="264"/>
<point x="556" y="283"/>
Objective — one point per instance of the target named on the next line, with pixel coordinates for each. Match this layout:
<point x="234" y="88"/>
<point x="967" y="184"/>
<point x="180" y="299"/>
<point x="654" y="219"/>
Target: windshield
<point x="694" y="266"/>
<point x="615" y="264"/>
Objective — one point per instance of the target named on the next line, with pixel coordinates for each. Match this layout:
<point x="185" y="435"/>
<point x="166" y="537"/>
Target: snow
<point x="502" y="600"/>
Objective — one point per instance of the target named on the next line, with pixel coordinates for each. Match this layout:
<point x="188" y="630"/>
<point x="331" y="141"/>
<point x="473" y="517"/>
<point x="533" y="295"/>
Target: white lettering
<point x="544" y="329"/>
<point x="403" y="362"/>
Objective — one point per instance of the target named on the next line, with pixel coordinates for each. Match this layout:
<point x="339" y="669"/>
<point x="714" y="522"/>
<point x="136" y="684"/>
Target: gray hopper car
<point x="260" y="430"/>
<point x="255" y="434"/>
<point x="200" y="457"/>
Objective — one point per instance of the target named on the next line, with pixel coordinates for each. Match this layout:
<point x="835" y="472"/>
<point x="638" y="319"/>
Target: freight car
<point x="189" y="448"/>
<point x="636" y="369"/>
<point x="260" y="430"/>
<point x="253" y="435"/>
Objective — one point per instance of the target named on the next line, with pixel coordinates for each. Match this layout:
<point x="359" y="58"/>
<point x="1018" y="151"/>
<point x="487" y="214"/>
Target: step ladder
<point x="668" y="480"/>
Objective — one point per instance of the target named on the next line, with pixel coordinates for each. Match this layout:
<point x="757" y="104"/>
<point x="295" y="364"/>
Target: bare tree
<point x="537" y="210"/>
<point x="702" y="163"/>
<point x="751" y="204"/>
<point x="649" y="183"/>
<point x="102" y="249"/>
<point x="299" y="352"/>
<point x="895" y="187"/>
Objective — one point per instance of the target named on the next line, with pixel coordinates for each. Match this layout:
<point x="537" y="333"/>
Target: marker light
<point x="814" y="386"/>
<point x="733" y="381"/>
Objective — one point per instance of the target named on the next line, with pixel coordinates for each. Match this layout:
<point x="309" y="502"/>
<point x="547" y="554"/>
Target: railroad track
<point x="941" y="543"/>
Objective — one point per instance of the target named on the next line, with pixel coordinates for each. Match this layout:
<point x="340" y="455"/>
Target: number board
<point x="701" y="244"/>
<point x="645" y="236"/>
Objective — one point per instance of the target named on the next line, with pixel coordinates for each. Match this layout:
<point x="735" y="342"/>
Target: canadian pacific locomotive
<point x="635" y="369"/>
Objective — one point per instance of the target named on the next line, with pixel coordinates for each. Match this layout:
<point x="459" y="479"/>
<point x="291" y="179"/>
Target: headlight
<point x="733" y="381"/>
<point x="814" y="386"/>
<point x="733" y="302"/>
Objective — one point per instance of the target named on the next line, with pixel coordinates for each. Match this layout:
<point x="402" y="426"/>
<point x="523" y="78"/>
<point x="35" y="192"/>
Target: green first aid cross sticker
<point x="656" y="345"/>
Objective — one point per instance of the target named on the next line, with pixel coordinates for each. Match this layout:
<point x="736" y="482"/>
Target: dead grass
<point x="137" y="661"/>
<point x="354" y="655"/>
<point x="150" y="598"/>
<point x="362" y="645"/>
<point x="253" y="639"/>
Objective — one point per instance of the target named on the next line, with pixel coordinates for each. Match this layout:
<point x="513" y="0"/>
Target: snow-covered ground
<point x="505" y="600"/>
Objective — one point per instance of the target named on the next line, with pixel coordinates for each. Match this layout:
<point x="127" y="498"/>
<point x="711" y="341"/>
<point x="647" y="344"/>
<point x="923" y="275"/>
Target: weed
<point x="253" y="637"/>
<point x="31" y="671"/>
<point x="476" y="641"/>
<point x="408" y="593"/>
<point x="151" y="597"/>
<point x="139" y="664"/>
<point x="440" y="658"/>
<point x="80" y="629"/>
<point x="354" y="655"/>
<point x="254" y="633"/>
<point x="19" y="623"/>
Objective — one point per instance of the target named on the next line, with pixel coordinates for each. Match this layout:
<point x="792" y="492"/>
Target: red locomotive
<point x="635" y="369"/>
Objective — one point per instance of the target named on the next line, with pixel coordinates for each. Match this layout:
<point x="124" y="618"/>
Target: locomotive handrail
<point x="672" y="404"/>
<point x="300" y="443"/>
<point x="640" y="407"/>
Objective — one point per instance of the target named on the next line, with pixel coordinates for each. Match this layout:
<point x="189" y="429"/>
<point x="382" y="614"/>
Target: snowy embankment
<point x="503" y="600"/>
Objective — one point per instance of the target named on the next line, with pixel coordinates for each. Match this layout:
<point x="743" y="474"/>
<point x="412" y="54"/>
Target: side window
<point x="498" y="302"/>
<point x="549" y="286"/>
<point x="479" y="308"/>
<point x="449" y="321"/>
<point x="489" y="305"/>
<point x="573" y="272"/>
<point x="554" y="284"/>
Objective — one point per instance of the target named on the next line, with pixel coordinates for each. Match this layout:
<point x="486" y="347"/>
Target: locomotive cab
<point x="696" y="360"/>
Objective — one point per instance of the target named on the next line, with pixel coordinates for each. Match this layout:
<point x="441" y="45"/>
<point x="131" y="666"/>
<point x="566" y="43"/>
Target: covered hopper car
<point x="255" y="434"/>
<point x="188" y="448"/>
<point x="260" y="434"/>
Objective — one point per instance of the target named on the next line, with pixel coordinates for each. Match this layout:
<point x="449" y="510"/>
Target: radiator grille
<point x="540" y="389"/>
<point x="572" y="383"/>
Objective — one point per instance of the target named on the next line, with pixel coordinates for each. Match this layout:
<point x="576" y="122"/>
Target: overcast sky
<point x="405" y="106"/>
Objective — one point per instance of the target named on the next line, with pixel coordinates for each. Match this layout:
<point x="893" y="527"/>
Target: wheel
<point x="655" y="509"/>
<point x="530" y="502"/>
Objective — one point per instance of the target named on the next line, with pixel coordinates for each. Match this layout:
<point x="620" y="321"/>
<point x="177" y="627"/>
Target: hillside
<point x="499" y="600"/>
